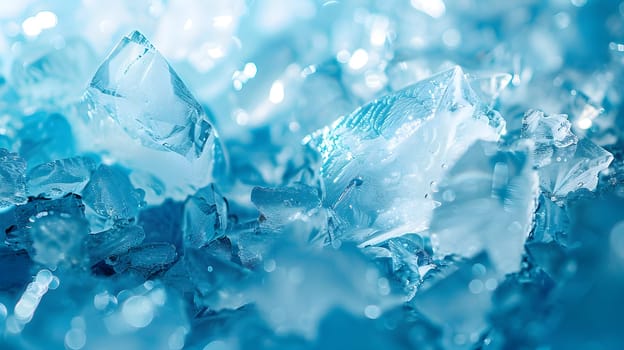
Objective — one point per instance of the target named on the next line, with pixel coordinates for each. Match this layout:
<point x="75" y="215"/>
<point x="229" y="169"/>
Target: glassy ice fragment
<point x="12" y="179"/>
<point x="205" y="217"/>
<point x="551" y="134"/>
<point x="565" y="163"/>
<point x="581" y="171"/>
<point x="57" y="178"/>
<point x="116" y="241"/>
<point x="487" y="202"/>
<point x="142" y="114"/>
<point x="111" y="195"/>
<point x="409" y="261"/>
<point x="551" y="223"/>
<point x="381" y="163"/>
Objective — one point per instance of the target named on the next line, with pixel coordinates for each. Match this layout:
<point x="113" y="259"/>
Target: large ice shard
<point x="142" y="115"/>
<point x="12" y="179"/>
<point x="487" y="202"/>
<point x="381" y="164"/>
<point x="565" y="163"/>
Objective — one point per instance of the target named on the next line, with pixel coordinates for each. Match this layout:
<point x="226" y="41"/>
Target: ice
<point x="116" y="241"/>
<point x="45" y="137"/>
<point x="487" y="200"/>
<point x="111" y="195"/>
<point x="57" y="178"/>
<point x="462" y="208"/>
<point x="56" y="76"/>
<point x="460" y="301"/>
<point x="146" y="259"/>
<point x="565" y="163"/>
<point x="279" y="207"/>
<point x="51" y="231"/>
<point x="205" y="217"/>
<point x="12" y="179"/>
<point x="376" y="182"/>
<point x="143" y="116"/>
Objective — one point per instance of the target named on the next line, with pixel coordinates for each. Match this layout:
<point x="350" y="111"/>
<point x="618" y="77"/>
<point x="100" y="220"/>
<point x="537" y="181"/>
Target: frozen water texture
<point x="381" y="164"/>
<point x="143" y="116"/>
<point x="205" y="217"/>
<point x="111" y="195"/>
<point x="12" y="179"/>
<point x="487" y="202"/>
<point x="57" y="178"/>
<point x="565" y="163"/>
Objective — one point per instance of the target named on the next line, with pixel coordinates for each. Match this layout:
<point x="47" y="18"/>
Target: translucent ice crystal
<point x="57" y="178"/>
<point x="111" y="195"/>
<point x="205" y="217"/>
<point x="12" y="179"/>
<point x="565" y="163"/>
<point x="142" y="114"/>
<point x="381" y="164"/>
<point x="486" y="201"/>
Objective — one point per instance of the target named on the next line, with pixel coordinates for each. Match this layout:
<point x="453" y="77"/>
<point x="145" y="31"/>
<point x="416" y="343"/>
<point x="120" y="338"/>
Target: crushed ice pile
<point x="424" y="174"/>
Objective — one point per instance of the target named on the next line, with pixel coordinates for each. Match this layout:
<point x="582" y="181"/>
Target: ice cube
<point x="382" y="162"/>
<point x="143" y="116"/>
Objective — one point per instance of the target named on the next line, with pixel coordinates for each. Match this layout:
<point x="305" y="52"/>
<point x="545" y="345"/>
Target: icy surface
<point x="266" y="175"/>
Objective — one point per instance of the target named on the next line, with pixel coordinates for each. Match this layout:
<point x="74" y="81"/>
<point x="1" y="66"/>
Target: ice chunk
<point x="459" y="301"/>
<point x="58" y="239"/>
<point x="381" y="163"/>
<point x="111" y="195"/>
<point x="205" y="217"/>
<point x="12" y="179"/>
<point x="51" y="231"/>
<point x="487" y="203"/>
<point x="565" y="163"/>
<point x="142" y="114"/>
<point x="57" y="178"/>
<point x="551" y="134"/>
<point x="116" y="241"/>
